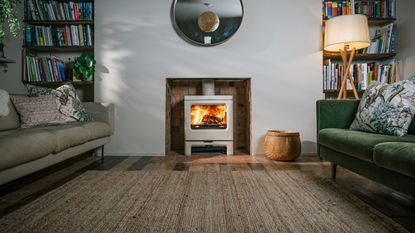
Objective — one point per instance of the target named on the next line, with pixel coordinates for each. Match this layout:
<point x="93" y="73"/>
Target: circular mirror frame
<point x="194" y="42"/>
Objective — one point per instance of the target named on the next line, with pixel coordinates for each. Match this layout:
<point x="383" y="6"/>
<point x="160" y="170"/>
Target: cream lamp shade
<point x="350" y="31"/>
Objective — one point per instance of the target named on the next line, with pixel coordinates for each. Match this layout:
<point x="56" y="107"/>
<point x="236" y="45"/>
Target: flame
<point x="208" y="114"/>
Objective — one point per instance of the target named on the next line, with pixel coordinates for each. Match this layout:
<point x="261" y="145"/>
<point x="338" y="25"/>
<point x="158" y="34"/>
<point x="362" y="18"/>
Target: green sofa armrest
<point x="101" y="112"/>
<point x="335" y="113"/>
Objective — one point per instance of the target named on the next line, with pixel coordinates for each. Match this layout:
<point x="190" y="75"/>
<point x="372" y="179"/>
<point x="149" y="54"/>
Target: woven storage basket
<point x="282" y="145"/>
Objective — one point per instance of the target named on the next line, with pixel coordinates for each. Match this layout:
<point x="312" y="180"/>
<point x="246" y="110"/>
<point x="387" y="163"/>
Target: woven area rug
<point x="182" y="201"/>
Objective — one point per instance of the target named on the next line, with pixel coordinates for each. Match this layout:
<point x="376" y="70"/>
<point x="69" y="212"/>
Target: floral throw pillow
<point x="69" y="103"/>
<point x="38" y="111"/>
<point x="386" y="108"/>
<point x="35" y="91"/>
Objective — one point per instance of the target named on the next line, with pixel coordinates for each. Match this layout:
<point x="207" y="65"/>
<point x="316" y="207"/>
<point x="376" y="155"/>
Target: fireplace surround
<point x="239" y="89"/>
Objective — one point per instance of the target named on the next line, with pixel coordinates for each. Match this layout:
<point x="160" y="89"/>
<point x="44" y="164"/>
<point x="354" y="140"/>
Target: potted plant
<point x="8" y="16"/>
<point x="84" y="67"/>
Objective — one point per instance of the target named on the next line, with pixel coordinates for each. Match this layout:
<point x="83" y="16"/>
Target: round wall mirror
<point x="207" y="22"/>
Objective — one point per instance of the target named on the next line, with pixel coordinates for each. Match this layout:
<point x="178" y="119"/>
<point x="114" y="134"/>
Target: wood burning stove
<point x="208" y="122"/>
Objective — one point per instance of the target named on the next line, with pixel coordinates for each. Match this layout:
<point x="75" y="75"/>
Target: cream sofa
<point x="24" y="151"/>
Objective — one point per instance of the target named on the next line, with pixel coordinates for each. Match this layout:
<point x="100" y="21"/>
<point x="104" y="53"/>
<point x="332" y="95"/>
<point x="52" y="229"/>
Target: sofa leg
<point x="102" y="154"/>
<point x="333" y="171"/>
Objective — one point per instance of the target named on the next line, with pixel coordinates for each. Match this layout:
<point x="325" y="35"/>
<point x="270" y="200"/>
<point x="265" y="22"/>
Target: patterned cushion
<point x="386" y="108"/>
<point x="38" y="111"/>
<point x="69" y="103"/>
<point x="36" y="91"/>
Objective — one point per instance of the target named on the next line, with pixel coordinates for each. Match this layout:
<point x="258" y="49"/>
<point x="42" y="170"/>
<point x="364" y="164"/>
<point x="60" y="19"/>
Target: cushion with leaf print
<point x="36" y="91"/>
<point x="69" y="104"/>
<point x="386" y="108"/>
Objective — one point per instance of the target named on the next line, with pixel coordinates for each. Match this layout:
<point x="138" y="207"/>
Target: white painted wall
<point x="278" y="45"/>
<point x="406" y="38"/>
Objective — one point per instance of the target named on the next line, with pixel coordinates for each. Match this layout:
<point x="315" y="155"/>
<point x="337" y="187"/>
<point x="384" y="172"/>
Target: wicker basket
<point x="282" y="145"/>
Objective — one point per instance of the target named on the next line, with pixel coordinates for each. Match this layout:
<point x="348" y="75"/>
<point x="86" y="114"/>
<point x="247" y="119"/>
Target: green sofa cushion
<point x="25" y="145"/>
<point x="356" y="143"/>
<point x="396" y="156"/>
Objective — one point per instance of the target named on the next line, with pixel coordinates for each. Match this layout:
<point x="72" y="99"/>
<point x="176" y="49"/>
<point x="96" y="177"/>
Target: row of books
<point x="45" y="69"/>
<point x="363" y="74"/>
<point x="372" y="8"/>
<point x="384" y="40"/>
<point x="55" y="10"/>
<point x="69" y="35"/>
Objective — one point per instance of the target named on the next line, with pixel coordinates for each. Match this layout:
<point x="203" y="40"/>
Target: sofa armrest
<point x="101" y="112"/>
<point x="336" y="113"/>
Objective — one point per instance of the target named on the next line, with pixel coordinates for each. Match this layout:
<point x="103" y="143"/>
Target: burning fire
<point x="208" y="115"/>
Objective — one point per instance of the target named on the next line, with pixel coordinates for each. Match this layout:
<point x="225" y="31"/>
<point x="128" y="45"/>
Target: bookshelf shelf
<point x="60" y="48"/>
<point x="53" y="84"/>
<point x="334" y="91"/>
<point x="4" y="60"/>
<point x="58" y="22"/>
<point x="374" y="22"/>
<point x="55" y="61"/>
<point x="361" y="57"/>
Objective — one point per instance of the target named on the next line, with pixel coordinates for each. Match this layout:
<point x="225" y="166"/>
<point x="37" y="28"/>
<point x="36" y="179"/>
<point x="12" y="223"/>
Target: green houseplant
<point x="84" y="67"/>
<point x="8" y="16"/>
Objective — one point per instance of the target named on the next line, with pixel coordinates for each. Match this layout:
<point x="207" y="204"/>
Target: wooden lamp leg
<point x="347" y="76"/>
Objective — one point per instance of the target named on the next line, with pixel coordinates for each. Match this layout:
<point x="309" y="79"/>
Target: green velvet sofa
<point x="388" y="160"/>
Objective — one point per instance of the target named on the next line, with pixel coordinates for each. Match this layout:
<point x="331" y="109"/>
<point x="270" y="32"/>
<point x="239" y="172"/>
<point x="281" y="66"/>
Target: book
<point x="363" y="74"/>
<point x="45" y="69"/>
<point x="58" y="10"/>
<point x="372" y="8"/>
<point x="69" y="35"/>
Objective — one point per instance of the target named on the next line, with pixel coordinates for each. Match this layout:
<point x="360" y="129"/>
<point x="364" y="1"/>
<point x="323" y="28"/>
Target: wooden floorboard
<point x="396" y="206"/>
<point x="140" y="164"/>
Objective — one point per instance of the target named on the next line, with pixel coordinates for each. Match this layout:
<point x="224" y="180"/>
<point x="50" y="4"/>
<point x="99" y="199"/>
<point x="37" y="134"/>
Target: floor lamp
<point x="346" y="33"/>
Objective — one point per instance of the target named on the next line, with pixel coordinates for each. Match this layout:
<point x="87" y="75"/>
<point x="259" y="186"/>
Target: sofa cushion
<point x="10" y="121"/>
<point x="396" y="156"/>
<point x="386" y="108"/>
<point x="24" y="145"/>
<point x="356" y="143"/>
<point x="97" y="129"/>
<point x="36" y="91"/>
<point x="69" y="103"/>
<point x="68" y="135"/>
<point x="38" y="111"/>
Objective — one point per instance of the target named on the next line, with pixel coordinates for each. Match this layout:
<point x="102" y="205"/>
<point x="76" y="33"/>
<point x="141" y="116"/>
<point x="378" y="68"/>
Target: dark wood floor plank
<point x="181" y="167"/>
<point x="110" y="162"/>
<point x="140" y="164"/>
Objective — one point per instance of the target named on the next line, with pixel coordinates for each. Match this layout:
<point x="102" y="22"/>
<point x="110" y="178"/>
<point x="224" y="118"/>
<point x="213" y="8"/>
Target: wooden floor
<point x="396" y="206"/>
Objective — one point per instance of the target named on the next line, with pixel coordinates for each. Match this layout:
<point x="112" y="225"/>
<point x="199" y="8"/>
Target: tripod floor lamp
<point x="346" y="34"/>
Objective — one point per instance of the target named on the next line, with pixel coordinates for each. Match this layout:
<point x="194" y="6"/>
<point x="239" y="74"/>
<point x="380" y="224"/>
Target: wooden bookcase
<point x="68" y="53"/>
<point x="374" y="22"/>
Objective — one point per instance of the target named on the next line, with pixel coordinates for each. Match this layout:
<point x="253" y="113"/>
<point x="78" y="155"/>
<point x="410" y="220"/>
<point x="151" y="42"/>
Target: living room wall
<point x="278" y="46"/>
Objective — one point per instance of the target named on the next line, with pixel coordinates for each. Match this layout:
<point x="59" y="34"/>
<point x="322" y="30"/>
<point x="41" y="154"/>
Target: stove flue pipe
<point x="208" y="87"/>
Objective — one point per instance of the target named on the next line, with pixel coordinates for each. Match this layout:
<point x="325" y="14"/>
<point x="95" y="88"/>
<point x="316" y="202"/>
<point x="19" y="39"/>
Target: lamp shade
<point x="351" y="31"/>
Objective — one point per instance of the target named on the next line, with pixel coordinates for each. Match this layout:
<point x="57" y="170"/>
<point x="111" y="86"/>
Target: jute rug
<point x="181" y="201"/>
